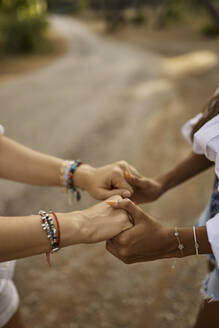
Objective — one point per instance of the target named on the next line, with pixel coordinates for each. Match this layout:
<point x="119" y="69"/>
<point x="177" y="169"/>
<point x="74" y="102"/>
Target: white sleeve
<point x="2" y="130"/>
<point x="187" y="128"/>
<point x="206" y="141"/>
<point x="213" y="235"/>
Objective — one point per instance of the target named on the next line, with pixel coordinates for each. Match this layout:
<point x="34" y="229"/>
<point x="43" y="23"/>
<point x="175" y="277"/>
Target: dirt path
<point x="100" y="102"/>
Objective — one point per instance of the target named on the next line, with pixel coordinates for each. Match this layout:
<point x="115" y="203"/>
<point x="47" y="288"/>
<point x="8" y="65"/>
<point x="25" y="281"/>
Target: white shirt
<point x="2" y="130"/>
<point x="6" y="268"/>
<point x="206" y="142"/>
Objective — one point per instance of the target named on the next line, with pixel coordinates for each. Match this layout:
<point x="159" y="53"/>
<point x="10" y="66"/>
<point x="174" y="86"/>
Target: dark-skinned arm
<point x="149" y="240"/>
<point x="148" y="190"/>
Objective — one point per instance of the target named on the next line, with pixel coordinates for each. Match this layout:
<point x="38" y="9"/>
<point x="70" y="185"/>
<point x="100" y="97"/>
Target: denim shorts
<point x="210" y="288"/>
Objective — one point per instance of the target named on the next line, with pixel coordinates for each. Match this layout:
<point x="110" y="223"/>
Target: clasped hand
<point x="147" y="240"/>
<point x="113" y="220"/>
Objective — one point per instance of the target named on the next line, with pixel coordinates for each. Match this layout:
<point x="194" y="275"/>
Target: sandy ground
<point x="107" y="100"/>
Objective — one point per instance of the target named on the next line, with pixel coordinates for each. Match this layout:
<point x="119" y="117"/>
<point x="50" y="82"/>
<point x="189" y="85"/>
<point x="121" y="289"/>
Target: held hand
<point x="145" y="190"/>
<point x="102" y="222"/>
<point x="148" y="240"/>
<point x="104" y="182"/>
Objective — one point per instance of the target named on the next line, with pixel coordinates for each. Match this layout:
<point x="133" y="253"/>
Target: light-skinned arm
<point x="23" y="236"/>
<point x="22" y="164"/>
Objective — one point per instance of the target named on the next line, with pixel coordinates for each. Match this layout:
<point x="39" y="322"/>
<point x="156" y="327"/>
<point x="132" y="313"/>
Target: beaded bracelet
<point x="66" y="176"/>
<point x="48" y="226"/>
<point x="180" y="245"/>
<point x="58" y="227"/>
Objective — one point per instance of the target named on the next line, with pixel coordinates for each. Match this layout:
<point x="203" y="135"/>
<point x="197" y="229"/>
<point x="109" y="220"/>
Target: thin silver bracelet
<point x="195" y="240"/>
<point x="180" y="245"/>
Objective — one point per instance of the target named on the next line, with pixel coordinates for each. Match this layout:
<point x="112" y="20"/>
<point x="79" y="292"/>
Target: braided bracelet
<point x="48" y="226"/>
<point x="66" y="176"/>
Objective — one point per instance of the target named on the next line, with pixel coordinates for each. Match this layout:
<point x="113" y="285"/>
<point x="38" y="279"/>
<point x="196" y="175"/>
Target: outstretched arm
<point x="24" y="236"/>
<point x="194" y="164"/>
<point x="148" y="190"/>
<point x="22" y="164"/>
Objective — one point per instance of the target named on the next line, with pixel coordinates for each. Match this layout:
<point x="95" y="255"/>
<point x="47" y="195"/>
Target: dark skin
<point x="132" y="245"/>
<point x="148" y="240"/>
<point x="150" y="189"/>
<point x="16" y="321"/>
<point x="133" y="242"/>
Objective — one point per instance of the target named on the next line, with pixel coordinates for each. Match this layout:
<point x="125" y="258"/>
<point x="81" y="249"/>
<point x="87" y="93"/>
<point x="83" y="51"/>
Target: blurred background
<point x="104" y="80"/>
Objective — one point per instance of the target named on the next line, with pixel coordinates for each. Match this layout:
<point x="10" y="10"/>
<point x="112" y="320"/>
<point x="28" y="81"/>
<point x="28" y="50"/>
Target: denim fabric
<point x="211" y="284"/>
<point x="214" y="205"/>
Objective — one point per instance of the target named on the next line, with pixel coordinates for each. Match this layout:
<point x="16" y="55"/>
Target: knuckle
<point x="123" y="240"/>
<point x="122" y="163"/>
<point x="135" y="179"/>
<point x="116" y="171"/>
<point x="123" y="252"/>
<point x="127" y="203"/>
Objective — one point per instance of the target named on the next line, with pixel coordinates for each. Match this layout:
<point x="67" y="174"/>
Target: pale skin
<point x="98" y="223"/>
<point x="23" y="236"/>
<point x="35" y="168"/>
<point x="149" y="240"/>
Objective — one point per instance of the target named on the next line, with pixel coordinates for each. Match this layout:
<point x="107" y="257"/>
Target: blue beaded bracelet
<point x="68" y="177"/>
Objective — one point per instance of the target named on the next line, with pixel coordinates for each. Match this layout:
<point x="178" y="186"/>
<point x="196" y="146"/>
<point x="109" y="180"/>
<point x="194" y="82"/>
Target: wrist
<point x="169" y="243"/>
<point x="163" y="182"/>
<point x="202" y="239"/>
<point x="188" y="240"/>
<point x="72" y="228"/>
<point x="186" y="237"/>
<point x="82" y="176"/>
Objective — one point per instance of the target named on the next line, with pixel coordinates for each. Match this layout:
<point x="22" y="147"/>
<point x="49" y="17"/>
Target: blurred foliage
<point x="172" y="12"/>
<point x="210" y="29"/>
<point x="139" y="18"/>
<point x="22" y="25"/>
<point x="82" y="5"/>
<point x="165" y="12"/>
<point x="114" y="13"/>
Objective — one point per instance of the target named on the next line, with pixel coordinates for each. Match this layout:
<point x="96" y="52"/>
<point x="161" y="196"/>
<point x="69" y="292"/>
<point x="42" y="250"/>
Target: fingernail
<point x="127" y="175"/>
<point x="126" y="194"/>
<point x="111" y="202"/>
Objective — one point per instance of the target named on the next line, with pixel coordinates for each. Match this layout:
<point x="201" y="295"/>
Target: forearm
<point x="186" y="237"/>
<point x="21" y="164"/>
<point x="191" y="166"/>
<point x="23" y="236"/>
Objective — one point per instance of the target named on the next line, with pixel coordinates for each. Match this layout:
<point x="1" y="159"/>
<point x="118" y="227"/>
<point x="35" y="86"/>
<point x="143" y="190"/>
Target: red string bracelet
<point x="58" y="227"/>
<point x="48" y="257"/>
